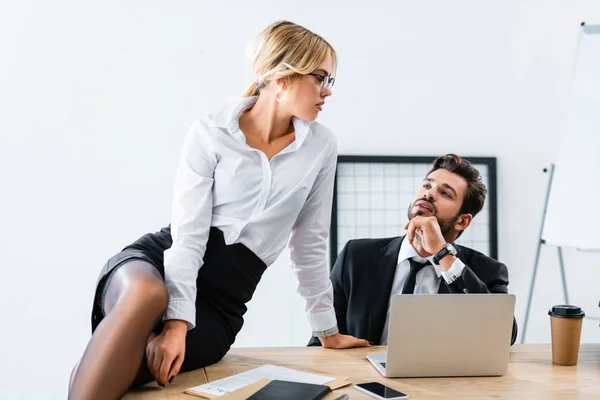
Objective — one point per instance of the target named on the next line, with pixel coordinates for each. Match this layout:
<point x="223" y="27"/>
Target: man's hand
<point x="429" y="232"/>
<point x="165" y="352"/>
<point x="339" y="341"/>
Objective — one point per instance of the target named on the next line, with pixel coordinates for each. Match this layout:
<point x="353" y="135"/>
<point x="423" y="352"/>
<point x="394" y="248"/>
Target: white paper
<point x="272" y="372"/>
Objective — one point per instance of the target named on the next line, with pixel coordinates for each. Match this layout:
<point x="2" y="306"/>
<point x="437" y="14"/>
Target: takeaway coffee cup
<point x="565" y="324"/>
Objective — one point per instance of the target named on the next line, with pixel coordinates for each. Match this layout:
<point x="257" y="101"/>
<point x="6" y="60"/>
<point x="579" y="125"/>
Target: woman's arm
<point x="190" y="223"/>
<point x="308" y="247"/>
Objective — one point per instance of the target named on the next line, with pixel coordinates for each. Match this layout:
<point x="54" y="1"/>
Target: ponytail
<point x="252" y="90"/>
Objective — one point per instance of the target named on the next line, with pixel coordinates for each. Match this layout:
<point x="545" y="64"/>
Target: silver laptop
<point x="447" y="335"/>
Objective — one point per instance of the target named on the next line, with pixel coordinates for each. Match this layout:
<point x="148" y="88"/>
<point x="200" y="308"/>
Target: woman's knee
<point x="139" y="285"/>
<point x="150" y="294"/>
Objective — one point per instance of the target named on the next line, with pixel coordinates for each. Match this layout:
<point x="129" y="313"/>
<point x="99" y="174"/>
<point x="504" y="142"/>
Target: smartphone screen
<point x="381" y="390"/>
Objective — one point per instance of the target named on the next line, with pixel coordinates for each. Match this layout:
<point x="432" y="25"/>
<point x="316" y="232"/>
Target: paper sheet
<point x="229" y="384"/>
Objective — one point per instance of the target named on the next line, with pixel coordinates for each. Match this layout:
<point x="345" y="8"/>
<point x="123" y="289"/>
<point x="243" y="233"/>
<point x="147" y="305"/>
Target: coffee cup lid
<point x="566" y="311"/>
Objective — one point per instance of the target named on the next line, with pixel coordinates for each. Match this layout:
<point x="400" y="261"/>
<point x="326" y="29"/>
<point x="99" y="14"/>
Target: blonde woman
<point x="252" y="177"/>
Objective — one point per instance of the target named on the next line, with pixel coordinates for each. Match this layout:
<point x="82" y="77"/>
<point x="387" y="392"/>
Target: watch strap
<point x="326" y="332"/>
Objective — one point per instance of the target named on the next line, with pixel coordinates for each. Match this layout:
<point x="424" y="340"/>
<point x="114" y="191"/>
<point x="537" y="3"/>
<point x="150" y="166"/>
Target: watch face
<point x="447" y="249"/>
<point x="452" y="249"/>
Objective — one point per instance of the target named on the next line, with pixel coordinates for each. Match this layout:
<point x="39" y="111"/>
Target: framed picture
<point x="372" y="195"/>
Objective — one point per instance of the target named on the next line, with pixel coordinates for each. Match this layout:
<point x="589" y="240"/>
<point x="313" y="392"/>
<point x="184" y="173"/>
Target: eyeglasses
<point x="327" y="81"/>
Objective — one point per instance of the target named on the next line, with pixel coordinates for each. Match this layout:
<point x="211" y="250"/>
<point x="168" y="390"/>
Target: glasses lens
<point x="324" y="79"/>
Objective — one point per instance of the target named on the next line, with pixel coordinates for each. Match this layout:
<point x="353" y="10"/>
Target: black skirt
<point x="226" y="282"/>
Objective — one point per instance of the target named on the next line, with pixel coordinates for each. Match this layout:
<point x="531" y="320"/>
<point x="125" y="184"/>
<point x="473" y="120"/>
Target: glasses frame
<point x="327" y="81"/>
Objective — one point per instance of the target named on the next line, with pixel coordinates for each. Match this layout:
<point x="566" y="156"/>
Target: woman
<point x="254" y="175"/>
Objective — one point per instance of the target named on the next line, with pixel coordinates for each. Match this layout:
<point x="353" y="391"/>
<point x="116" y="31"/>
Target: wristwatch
<point x="447" y="249"/>
<point x="327" y="332"/>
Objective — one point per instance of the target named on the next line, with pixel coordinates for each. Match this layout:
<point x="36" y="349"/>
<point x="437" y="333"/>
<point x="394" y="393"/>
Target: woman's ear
<point x="282" y="83"/>
<point x="282" y="87"/>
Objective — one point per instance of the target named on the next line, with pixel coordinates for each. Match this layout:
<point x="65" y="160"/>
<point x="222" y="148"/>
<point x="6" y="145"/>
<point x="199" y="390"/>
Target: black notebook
<point x="290" y="390"/>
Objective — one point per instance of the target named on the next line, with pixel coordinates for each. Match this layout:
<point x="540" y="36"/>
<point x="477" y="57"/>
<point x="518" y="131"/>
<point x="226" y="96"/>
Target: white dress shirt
<point x="428" y="278"/>
<point x="223" y="182"/>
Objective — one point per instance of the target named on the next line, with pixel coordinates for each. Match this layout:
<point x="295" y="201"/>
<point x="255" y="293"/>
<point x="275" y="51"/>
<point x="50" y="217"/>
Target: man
<point x="368" y="272"/>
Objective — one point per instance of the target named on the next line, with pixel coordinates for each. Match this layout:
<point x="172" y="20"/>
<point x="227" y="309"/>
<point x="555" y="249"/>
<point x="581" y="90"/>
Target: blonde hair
<point x="286" y="50"/>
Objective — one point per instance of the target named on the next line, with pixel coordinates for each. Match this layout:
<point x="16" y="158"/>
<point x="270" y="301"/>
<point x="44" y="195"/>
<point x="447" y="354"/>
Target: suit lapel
<point x="385" y="264"/>
<point x="443" y="289"/>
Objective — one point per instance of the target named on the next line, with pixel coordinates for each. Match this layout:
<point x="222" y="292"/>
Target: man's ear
<point x="463" y="222"/>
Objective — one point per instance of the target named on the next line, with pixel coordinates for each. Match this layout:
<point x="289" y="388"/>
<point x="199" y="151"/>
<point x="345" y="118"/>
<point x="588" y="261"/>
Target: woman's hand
<point x="339" y="341"/>
<point x="166" y="351"/>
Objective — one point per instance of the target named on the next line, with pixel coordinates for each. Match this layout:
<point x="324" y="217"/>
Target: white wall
<point x="95" y="99"/>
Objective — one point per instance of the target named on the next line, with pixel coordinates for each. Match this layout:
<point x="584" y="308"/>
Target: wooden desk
<point x="174" y="391"/>
<point x="531" y="374"/>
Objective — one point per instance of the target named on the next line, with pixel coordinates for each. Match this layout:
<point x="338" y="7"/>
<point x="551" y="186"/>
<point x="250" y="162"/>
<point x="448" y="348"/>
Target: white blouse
<point x="223" y="182"/>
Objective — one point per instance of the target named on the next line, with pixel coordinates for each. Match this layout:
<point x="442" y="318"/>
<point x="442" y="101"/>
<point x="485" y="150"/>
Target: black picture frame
<point x="491" y="199"/>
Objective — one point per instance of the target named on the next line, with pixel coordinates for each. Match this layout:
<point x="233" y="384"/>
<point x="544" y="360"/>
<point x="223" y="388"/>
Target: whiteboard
<point x="573" y="214"/>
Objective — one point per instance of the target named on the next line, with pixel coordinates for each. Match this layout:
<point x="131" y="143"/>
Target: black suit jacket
<point x="362" y="280"/>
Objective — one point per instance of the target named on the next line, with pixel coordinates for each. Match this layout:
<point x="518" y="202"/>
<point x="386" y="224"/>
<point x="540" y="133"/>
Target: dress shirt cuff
<point x="181" y="309"/>
<point x="322" y="321"/>
<point x="454" y="272"/>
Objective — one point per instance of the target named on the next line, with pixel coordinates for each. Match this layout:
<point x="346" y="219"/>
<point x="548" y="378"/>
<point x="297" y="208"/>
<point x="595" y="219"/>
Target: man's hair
<point x="476" y="190"/>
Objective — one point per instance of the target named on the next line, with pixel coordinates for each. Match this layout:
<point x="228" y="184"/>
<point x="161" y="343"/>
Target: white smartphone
<point x="380" y="391"/>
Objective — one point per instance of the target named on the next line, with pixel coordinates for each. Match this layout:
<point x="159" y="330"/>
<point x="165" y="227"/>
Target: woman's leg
<point x="135" y="299"/>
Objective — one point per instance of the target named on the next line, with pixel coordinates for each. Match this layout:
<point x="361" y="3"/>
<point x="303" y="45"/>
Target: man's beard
<point x="446" y="224"/>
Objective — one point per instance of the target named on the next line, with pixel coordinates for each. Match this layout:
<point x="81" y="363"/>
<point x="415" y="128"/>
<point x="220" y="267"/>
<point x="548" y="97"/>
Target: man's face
<point x="440" y="195"/>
